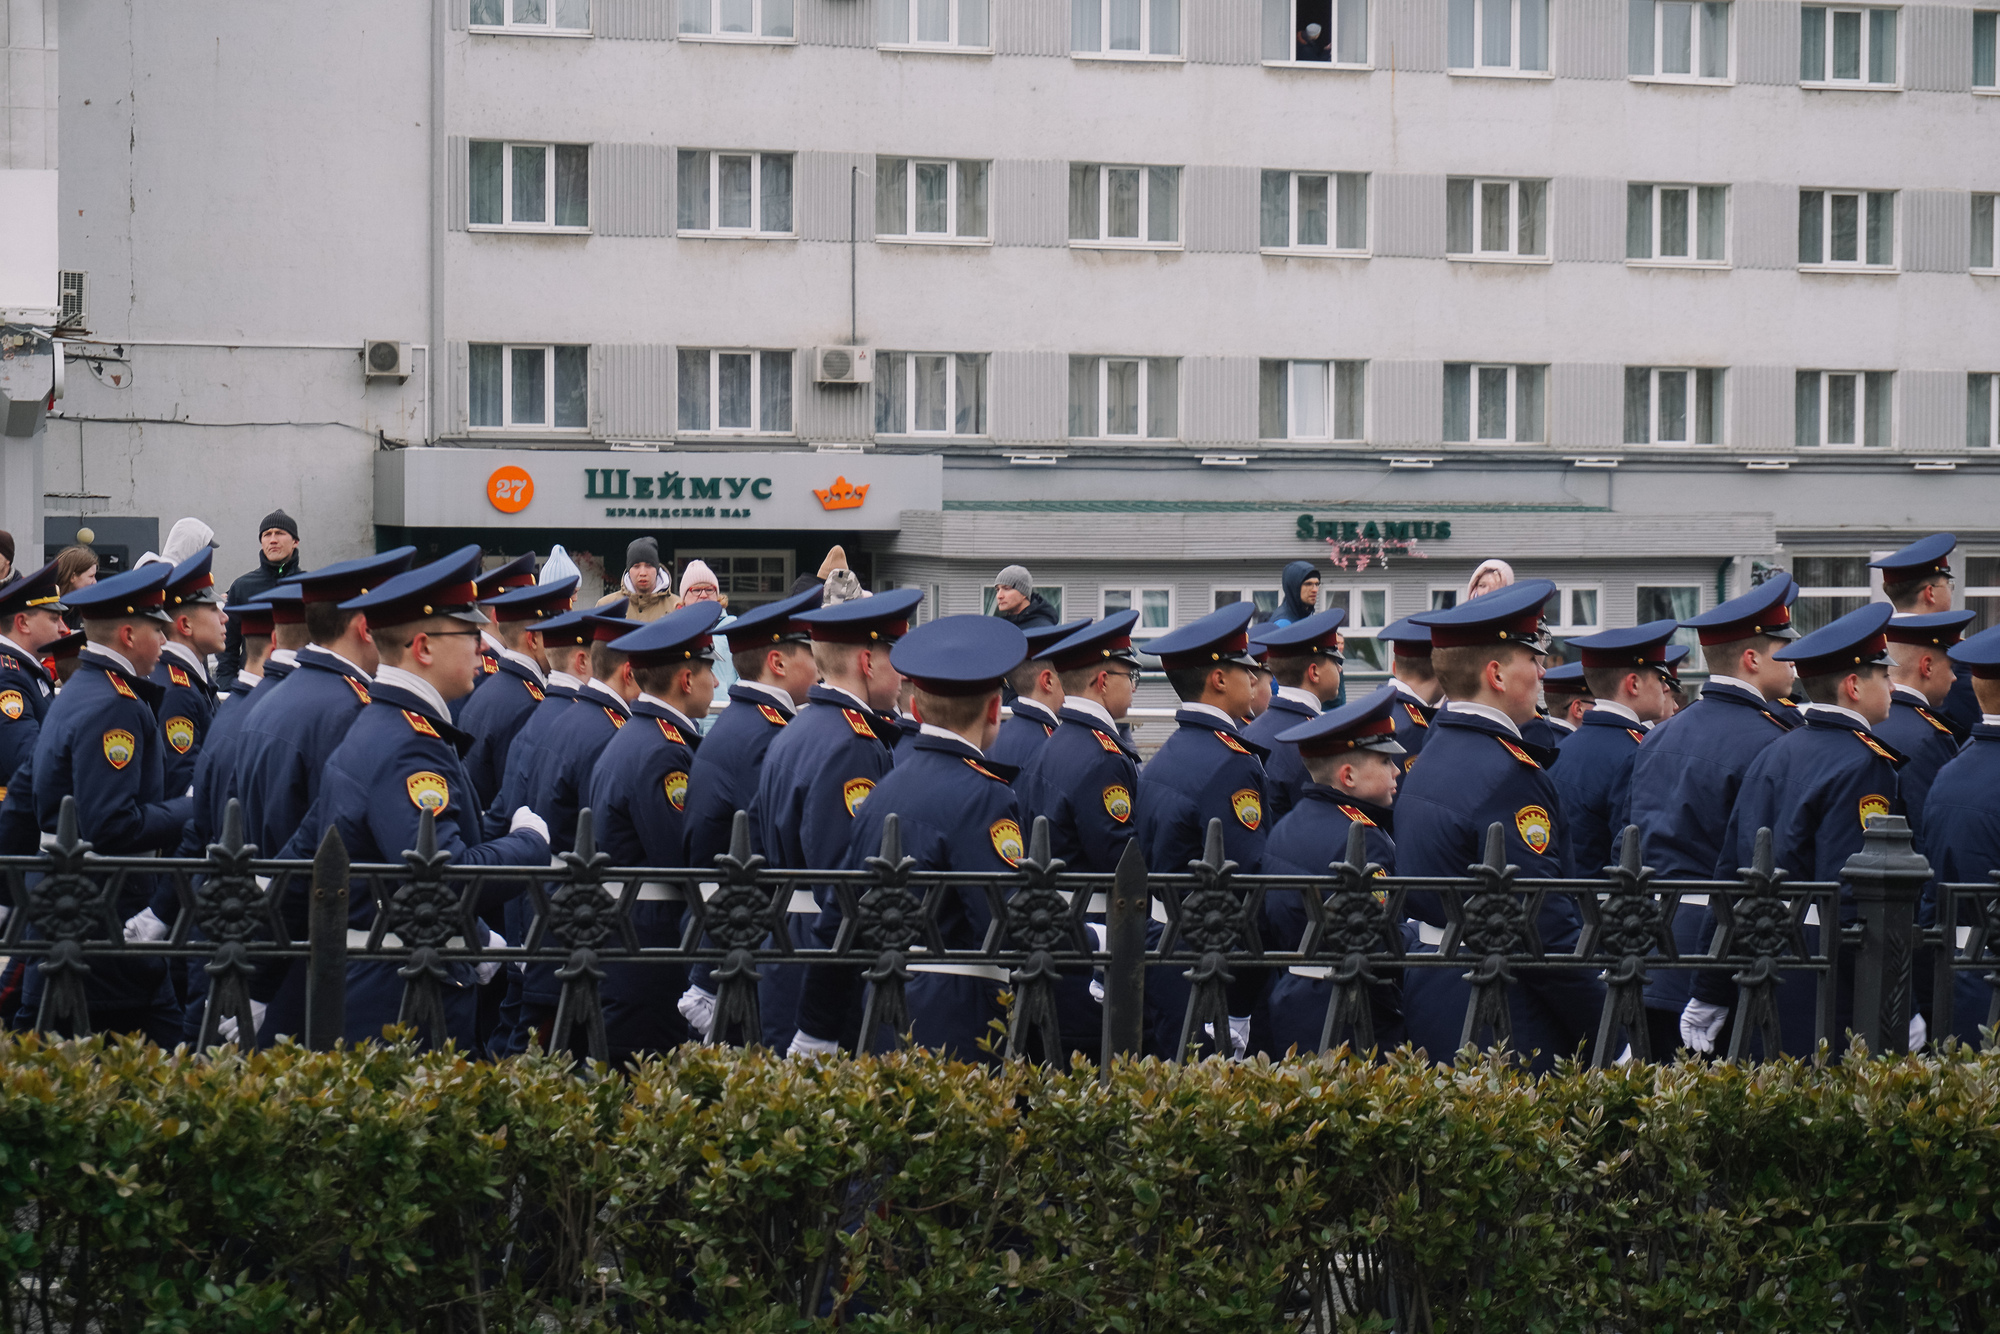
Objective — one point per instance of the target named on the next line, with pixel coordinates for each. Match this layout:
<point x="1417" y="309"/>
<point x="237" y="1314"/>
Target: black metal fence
<point x="238" y="911"/>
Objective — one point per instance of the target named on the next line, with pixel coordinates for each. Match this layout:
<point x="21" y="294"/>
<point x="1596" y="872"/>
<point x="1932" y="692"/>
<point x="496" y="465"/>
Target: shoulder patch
<point x="676" y="786"/>
<point x="1535" y="827"/>
<point x="1006" y="840"/>
<point x="617" y="718"/>
<point x="179" y="733"/>
<point x="1875" y="746"/>
<point x="420" y="724"/>
<point x="772" y="716"/>
<point x="858" y="720"/>
<point x="1873" y="804"/>
<point x="122" y="686"/>
<point x="1356" y="814"/>
<point x="534" y="692"/>
<point x="178" y="675"/>
<point x="1635" y="734"/>
<point x="119" y="747"/>
<point x="1109" y="743"/>
<point x="1233" y="744"/>
<point x="1118" y="803"/>
<point x="979" y="768"/>
<point x="428" y="791"/>
<point x="1047" y="730"/>
<point x="855" y="791"/>
<point x="11" y="703"/>
<point x="7" y="661"/>
<point x="360" y="691"/>
<point x="1247" y="806"/>
<point x="670" y="732"/>
<point x="1925" y="714"/>
<point x="1416" y="714"/>
<point x="1519" y="754"/>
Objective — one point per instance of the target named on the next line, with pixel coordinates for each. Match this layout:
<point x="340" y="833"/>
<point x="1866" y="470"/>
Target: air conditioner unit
<point x="382" y="359"/>
<point x="843" y="365"/>
<point x="72" y="287"/>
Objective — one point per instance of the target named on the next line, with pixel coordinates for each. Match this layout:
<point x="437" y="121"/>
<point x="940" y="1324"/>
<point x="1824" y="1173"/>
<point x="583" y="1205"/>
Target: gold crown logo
<point x="842" y="495"/>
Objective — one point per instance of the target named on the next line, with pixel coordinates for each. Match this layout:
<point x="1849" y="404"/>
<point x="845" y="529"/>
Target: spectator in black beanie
<point x="278" y="558"/>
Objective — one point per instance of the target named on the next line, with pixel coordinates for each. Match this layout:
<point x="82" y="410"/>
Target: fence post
<point x="1887" y="878"/>
<point x="1126" y="913"/>
<point x="326" y="960"/>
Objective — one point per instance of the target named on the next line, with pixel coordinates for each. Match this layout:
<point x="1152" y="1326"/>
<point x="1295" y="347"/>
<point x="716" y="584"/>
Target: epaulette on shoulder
<point x="419" y="724"/>
<point x="1109" y="743"/>
<point x="1878" y="748"/>
<point x="979" y="768"/>
<point x="1231" y="742"/>
<point x="1355" y="814"/>
<point x="1519" y="754"/>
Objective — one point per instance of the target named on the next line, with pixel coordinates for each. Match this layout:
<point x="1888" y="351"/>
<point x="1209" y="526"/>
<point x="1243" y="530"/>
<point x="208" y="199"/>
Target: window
<point x="935" y="24"/>
<point x="1444" y="599"/>
<point x="1499" y="36"/>
<point x="529" y="187"/>
<point x="1843" y="408"/>
<point x="1049" y="593"/>
<point x="1571" y="610"/>
<point x="930" y="393"/>
<point x="1496" y="219"/>
<point x="1671" y="602"/>
<point x="1310" y="400"/>
<point x="1315" y="212"/>
<point x="1268" y="601"/>
<point x="736" y="391"/>
<point x="1155" y="607"/>
<point x="525" y="388"/>
<point x="1316" y="32"/>
<point x="1134" y="397"/>
<point x="1676" y="224"/>
<point x="1982" y="421"/>
<point x="1982" y="590"/>
<point x="747" y="578"/>
<point x="1679" y="40"/>
<point x="1672" y="406"/>
<point x="1493" y="404"/>
<point x="1367" y="612"/>
<point x="1982" y="233"/>
<point x="1985" y="39"/>
<point x="1855" y="47"/>
<point x="735" y="194"/>
<point x="547" y="16"/>
<point x="1124" y="206"/>
<point x="1829" y="588"/>
<point x="919" y="200"/>
<point x="737" y="21"/>
<point x="1854" y="229"/>
<point x="1125" y="29"/>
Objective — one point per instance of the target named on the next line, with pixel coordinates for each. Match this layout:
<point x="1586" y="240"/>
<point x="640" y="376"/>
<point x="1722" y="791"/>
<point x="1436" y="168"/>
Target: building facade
<point x="1152" y="296"/>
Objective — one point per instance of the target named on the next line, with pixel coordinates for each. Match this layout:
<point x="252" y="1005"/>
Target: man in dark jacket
<point x="1016" y="601"/>
<point x="278" y="536"/>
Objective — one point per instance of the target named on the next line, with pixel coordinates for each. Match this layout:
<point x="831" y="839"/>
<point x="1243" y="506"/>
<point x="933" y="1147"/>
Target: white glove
<point x="805" y="1044"/>
<point x="527" y="819"/>
<point x="5" y="913"/>
<point x="145" y="925"/>
<point x="1100" y="933"/>
<point x="1097" y="989"/>
<point x="1920" y="1032"/>
<point x="488" y="969"/>
<point x="1700" y="1022"/>
<point x="697" y="1006"/>
<point x="1239" y="1034"/>
<point x="227" y="1028"/>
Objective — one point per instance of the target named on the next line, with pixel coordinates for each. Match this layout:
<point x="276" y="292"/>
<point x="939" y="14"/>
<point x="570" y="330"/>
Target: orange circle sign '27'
<point x="510" y="489"/>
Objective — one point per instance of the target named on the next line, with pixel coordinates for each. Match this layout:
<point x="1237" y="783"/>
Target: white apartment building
<point x="1151" y="296"/>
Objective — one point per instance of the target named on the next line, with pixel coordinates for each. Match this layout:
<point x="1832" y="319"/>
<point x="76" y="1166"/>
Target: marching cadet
<point x="30" y="620"/>
<point x="771" y="651"/>
<point x="399" y="759"/>
<point x="196" y="629"/>
<point x="1961" y="831"/>
<point x="639" y="795"/>
<point x="1038" y="697"/>
<point x="1205" y="771"/>
<point x="1568" y="698"/>
<point x="1417" y="689"/>
<point x="1626" y="674"/>
<point x="1921" y="676"/>
<point x="1686" y="778"/>
<point x="1260" y="682"/>
<point x="509" y="577"/>
<point x="500" y="704"/>
<point x="288" y="636"/>
<point x="1814" y="789"/>
<point x="821" y="767"/>
<point x="1353" y="762"/>
<point x="1917" y="582"/>
<point x="100" y="742"/>
<point x="957" y="813"/>
<point x="1476" y="771"/>
<point x="1305" y="663"/>
<point x="1677" y="696"/>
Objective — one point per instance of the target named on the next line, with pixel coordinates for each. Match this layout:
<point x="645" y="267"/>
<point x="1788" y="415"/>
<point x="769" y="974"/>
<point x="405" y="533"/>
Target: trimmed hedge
<point x="385" y="1189"/>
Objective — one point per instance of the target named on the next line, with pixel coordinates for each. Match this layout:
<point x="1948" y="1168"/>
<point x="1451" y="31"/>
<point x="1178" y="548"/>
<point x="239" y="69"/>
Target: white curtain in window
<point x="1309" y="400"/>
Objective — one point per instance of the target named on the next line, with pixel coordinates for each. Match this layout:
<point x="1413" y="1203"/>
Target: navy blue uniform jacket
<point x="290" y="731"/>
<point x="1023" y="735"/>
<point x="1594" y="781"/>
<point x="186" y="711"/>
<point x="1961" y="706"/>
<point x="1285" y="775"/>
<point x="1086" y="782"/>
<point x="724" y="778"/>
<point x="1545" y="732"/>
<point x="1413" y="725"/>
<point x="25" y="693"/>
<point x="1927" y="741"/>
<point x="1961" y="837"/>
<point x="493" y="715"/>
<point x="1204" y="771"/>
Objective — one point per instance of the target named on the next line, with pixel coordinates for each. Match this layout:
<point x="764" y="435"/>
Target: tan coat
<point x="644" y="606"/>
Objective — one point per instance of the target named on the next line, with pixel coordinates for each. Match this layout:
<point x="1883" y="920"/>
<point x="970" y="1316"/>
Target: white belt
<point x="1695" y="900"/>
<point x="659" y="891"/>
<point x="1430" y="935"/>
<point x="358" y="940"/>
<point x="804" y="902"/>
<point x="983" y="971"/>
<point x="1101" y="905"/>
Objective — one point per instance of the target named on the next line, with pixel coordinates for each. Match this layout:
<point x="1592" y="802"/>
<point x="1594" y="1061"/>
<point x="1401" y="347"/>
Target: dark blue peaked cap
<point x="884" y="618"/>
<point x="40" y="589"/>
<point x="576" y="627"/>
<point x="516" y="573"/>
<point x="1981" y="653"/>
<point x="1855" y="640"/>
<point x="1765" y="610"/>
<point x="442" y="588"/>
<point x="679" y="636"/>
<point x="1365" y="725"/>
<point x="140" y="592"/>
<point x="1939" y="629"/>
<point x="1924" y="557"/>
<point x="1409" y="639"/>
<point x="1636" y="646"/>
<point x="1219" y="637"/>
<point x="531" y="602"/>
<point x="1314" y="636"/>
<point x="1045" y="637"/>
<point x="1510" y="615"/>
<point x="192" y="583"/>
<point x="1565" y="680"/>
<point x="960" y="655"/>
<point x="1108" y="640"/>
<point x="352" y="578"/>
<point x="773" y="623"/>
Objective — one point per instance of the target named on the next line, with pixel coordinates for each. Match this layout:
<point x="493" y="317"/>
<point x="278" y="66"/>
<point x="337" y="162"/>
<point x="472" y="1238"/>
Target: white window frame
<point x="1868" y="592"/>
<point x="1339" y="187"/>
<point x="757" y="354"/>
<point x="1244" y="593"/>
<point x="1990" y="227"/>
<point x="1656" y="207"/>
<point x="1330" y="409"/>
<point x="1102" y="370"/>
<point x="1104" y="240"/>
<point x="1827" y="22"/>
<point x="721" y="562"/>
<point x="507" y="422"/>
<point x="1513" y="255"/>
<point x="757" y="37"/>
<point x="548" y="224"/>
<point x="1862" y="409"/>
<point x="753" y="232"/>
<point x="1136" y="590"/>
<point x="1281" y="25"/>
<point x="1352" y="626"/>
<point x="1443" y="597"/>
<point x="513" y="26"/>
<point x="1565" y="623"/>
<point x="1990" y="21"/>
<point x="1719" y="391"/>
<point x="954" y="176"/>
<point x="1984" y="384"/>
<point x="954" y="25"/>
<point x="1864" y="206"/>
<point x="1513" y="393"/>
<point x="884" y="370"/>
<point x="1079" y="10"/>
<point x="1696" y="48"/>
<point x="1513" y="69"/>
<point x="989" y="598"/>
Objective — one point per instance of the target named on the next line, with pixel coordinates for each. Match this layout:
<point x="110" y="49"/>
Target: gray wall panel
<point x="842" y="412"/>
<point x="836" y="22"/>
<point x="632" y="189"/>
<point x="1031" y="27"/>
<point x="1590" y="39"/>
<point x="1937" y="48"/>
<point x="1760" y="407"/>
<point x="1932" y="411"/>
<point x="1586" y="406"/>
<point x="1030" y="203"/>
<point x="1223" y="32"/>
<point x="1589" y="221"/>
<point x="641" y="20"/>
<point x="1408" y="407"/>
<point x="1219" y="399"/>
<point x="1764" y="225"/>
<point x="1220" y="208"/>
<point x="1409" y="215"/>
<point x="458" y="13"/>
<point x="1030" y="396"/>
<point x="1767" y="42"/>
<point x="459" y="185"/>
<point x="634" y="393"/>
<point x="454" y="391"/>
<point x="827" y="201"/>
<point x="1937" y="231"/>
<point x="1409" y="35"/>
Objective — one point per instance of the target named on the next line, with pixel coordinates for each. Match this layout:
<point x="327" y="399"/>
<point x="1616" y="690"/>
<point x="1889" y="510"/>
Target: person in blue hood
<point x="1301" y="584"/>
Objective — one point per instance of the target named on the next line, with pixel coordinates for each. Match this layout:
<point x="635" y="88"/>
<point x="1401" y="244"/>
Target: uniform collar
<point x="1486" y="711"/>
<point x="847" y="697"/>
<point x="110" y="657"/>
<point x="937" y="733"/>
<point x="1405" y="689"/>
<point x="1036" y="712"/>
<point x="187" y="656"/>
<point x="1989" y="720"/>
<point x="29" y="661"/>
<point x="1303" y="698"/>
<point x="673" y="714"/>
<point x="1717" y="678"/>
<point x="1560" y="724"/>
<point x="318" y="655"/>
<point x="1091" y="709"/>
<point x="778" y="697"/>
<point x="1911" y="695"/>
<point x="526" y="664"/>
<point x="1381" y="815"/>
<point x="284" y="657"/>
<point x="1204" y="712"/>
<point x="491" y="641"/>
<point x="413" y="684"/>
<point x="608" y="696"/>
<point x="1834" y="713"/>
<point x="565" y="680"/>
<point x="1613" y="707"/>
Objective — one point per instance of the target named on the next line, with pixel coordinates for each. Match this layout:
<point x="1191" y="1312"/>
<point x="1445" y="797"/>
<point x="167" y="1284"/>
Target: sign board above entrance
<point x="529" y="488"/>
